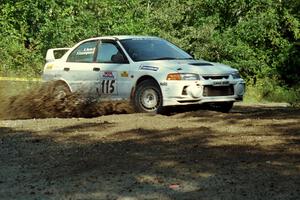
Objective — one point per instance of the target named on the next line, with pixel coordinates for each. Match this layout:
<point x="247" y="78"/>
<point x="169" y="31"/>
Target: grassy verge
<point x="265" y="91"/>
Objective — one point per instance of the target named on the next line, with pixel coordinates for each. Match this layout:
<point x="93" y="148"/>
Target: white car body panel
<point x="118" y="81"/>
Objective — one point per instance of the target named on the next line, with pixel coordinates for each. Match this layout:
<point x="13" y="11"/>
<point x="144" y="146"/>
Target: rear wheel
<point x="60" y="90"/>
<point x="148" y="97"/>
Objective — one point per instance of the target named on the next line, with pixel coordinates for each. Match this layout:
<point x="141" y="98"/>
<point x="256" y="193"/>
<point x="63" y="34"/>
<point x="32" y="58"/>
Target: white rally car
<point x="149" y="71"/>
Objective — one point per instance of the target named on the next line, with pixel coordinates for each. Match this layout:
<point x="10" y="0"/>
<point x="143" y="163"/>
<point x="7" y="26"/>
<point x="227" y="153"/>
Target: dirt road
<point x="251" y="153"/>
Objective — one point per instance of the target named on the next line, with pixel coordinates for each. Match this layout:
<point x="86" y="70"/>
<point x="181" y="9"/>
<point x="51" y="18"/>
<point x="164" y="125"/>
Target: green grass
<point x="265" y="91"/>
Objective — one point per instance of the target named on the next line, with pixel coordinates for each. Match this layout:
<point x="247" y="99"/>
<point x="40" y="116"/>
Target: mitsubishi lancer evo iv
<point x="149" y="71"/>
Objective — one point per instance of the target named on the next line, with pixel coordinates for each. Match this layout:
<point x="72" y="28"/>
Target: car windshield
<point x="143" y="49"/>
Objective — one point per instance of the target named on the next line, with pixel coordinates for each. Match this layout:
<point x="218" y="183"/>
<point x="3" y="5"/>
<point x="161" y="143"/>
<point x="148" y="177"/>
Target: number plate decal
<point x="108" y="83"/>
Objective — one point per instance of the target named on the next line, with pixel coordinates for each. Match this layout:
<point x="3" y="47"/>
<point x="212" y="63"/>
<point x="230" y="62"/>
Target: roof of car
<point x="124" y="37"/>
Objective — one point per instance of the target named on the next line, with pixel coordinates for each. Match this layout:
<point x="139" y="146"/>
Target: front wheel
<point x="148" y="97"/>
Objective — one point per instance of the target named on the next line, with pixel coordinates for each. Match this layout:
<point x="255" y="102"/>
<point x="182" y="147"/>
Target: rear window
<point x="84" y="52"/>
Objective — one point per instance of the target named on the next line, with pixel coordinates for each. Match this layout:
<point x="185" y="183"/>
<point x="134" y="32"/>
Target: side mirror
<point x="118" y="58"/>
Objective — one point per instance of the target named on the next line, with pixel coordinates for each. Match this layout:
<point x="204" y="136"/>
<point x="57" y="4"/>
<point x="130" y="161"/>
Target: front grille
<point x="210" y="91"/>
<point x="215" y="77"/>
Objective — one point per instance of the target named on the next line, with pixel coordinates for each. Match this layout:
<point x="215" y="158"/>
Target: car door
<point x="114" y="70"/>
<point x="80" y="70"/>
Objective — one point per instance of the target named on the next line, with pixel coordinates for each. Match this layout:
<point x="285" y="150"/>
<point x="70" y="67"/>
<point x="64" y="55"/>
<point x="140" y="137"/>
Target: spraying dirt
<point x="37" y="101"/>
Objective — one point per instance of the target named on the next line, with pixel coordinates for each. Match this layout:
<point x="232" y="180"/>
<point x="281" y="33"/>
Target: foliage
<point x="261" y="38"/>
<point x="267" y="90"/>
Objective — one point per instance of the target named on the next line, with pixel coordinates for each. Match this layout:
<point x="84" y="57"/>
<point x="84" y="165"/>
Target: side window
<point x="83" y="53"/>
<point x="108" y="52"/>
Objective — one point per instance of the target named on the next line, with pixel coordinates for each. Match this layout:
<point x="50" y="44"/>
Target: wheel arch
<point x="141" y="79"/>
<point x="62" y="82"/>
<point x="146" y="77"/>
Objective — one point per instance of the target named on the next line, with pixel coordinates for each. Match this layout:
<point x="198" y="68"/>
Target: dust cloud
<point x="36" y="101"/>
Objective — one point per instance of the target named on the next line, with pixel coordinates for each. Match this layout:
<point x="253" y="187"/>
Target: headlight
<point x="235" y="75"/>
<point x="183" y="76"/>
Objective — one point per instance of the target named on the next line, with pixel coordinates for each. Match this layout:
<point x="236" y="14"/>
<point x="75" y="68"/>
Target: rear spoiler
<point x="53" y="54"/>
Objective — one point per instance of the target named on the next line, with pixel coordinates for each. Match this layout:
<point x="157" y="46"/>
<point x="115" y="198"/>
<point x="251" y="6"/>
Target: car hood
<point x="191" y="66"/>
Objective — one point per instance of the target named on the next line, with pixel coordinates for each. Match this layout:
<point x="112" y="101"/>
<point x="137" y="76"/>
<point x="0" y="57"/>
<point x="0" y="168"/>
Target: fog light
<point x="194" y="91"/>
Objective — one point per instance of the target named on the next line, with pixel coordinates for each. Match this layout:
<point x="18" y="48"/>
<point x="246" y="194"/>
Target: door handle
<point x="66" y="69"/>
<point x="96" y="69"/>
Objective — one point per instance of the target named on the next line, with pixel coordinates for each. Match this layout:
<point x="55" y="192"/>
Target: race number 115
<point x="108" y="86"/>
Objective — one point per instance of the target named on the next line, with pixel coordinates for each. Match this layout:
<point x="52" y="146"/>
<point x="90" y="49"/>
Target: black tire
<point x="224" y="107"/>
<point x="147" y="97"/>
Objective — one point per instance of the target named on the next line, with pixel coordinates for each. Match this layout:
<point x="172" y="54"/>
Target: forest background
<point x="261" y="38"/>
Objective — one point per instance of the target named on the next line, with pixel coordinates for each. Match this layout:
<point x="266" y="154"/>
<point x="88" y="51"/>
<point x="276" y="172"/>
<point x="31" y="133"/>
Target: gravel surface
<point x="251" y="153"/>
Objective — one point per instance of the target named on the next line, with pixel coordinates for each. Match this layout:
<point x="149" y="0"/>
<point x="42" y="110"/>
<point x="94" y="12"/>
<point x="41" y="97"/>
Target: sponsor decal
<point x="149" y="68"/>
<point x="145" y="38"/>
<point x="124" y="74"/>
<point x="163" y="83"/>
<point x="108" y="75"/>
<point x="86" y="51"/>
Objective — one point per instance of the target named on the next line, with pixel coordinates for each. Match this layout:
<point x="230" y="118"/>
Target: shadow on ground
<point x="175" y="163"/>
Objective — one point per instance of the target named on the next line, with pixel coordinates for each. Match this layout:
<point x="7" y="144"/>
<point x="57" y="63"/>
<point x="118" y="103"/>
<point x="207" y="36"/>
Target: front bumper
<point x="202" y="91"/>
